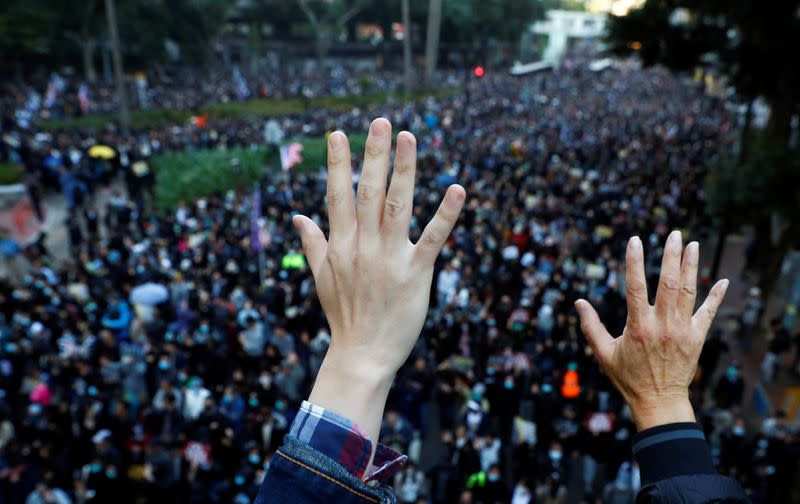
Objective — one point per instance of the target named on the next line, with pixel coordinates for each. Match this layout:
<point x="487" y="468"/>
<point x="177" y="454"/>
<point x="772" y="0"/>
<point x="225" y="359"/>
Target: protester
<point x="560" y="170"/>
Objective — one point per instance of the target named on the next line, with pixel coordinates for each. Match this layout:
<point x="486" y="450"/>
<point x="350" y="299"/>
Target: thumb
<point x="314" y="242"/>
<point x="595" y="332"/>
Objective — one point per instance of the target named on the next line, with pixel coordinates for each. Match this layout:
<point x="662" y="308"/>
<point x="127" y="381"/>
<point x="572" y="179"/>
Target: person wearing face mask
<point x="496" y="490"/>
<point x="195" y="397"/>
<point x="734" y="448"/>
<point x="551" y="462"/>
<point x="730" y="388"/>
<point x="409" y="484"/>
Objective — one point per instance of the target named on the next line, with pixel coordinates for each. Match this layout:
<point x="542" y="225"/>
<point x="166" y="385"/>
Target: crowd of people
<point x="183" y="395"/>
<point x="56" y="96"/>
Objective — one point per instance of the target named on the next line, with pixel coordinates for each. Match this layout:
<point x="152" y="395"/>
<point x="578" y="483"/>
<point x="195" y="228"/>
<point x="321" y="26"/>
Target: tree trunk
<point x="745" y="136"/>
<point x="88" y="44"/>
<point x="407" y="47"/>
<point x="779" y="126"/>
<point x="432" y="39"/>
<point x="87" y="54"/>
<point x="119" y="76"/>
<point x="322" y="45"/>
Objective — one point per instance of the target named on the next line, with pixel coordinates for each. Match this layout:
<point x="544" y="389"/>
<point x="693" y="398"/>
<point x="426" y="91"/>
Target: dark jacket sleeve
<point x="676" y="466"/>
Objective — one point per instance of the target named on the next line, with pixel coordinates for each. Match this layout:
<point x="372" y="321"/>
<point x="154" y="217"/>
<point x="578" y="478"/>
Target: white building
<point x="562" y="26"/>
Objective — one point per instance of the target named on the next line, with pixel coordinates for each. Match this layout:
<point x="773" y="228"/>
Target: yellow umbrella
<point x="102" y="152"/>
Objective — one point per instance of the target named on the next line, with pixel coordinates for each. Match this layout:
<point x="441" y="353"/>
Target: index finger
<point x="341" y="208"/>
<point x="635" y="282"/>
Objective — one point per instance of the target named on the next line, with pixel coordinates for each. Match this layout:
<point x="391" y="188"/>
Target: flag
<point x="291" y="155"/>
<point x="255" y="228"/>
<point x="242" y="91"/>
<point x="83" y="98"/>
<point x="54" y="86"/>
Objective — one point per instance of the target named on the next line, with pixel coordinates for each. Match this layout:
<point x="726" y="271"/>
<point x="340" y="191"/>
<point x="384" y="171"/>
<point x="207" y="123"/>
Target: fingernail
<point x="635" y="242"/>
<point x="694" y="251"/>
<point x="336" y="140"/>
<point x="725" y="284"/>
<point x="407" y="137"/>
<point x="455" y="197"/>
<point x="296" y="223"/>
<point x="380" y="127"/>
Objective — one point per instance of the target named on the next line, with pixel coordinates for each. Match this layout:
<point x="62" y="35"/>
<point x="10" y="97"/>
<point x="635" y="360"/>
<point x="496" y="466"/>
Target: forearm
<point x="353" y="391"/>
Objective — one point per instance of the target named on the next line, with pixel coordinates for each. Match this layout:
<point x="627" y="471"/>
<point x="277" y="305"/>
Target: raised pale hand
<point x="373" y="283"/>
<point x="652" y="363"/>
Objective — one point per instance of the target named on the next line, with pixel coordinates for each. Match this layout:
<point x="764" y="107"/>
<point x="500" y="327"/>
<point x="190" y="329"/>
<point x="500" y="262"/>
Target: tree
<point x="751" y="43"/>
<point x="326" y="18"/>
<point x="478" y="24"/>
<point x="25" y="30"/>
<point x="762" y="191"/>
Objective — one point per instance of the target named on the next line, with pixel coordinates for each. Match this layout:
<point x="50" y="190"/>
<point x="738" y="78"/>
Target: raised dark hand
<point x="652" y="363"/>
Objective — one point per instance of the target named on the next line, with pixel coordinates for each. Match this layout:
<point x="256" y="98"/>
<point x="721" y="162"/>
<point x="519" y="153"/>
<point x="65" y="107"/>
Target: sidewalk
<point x="774" y="395"/>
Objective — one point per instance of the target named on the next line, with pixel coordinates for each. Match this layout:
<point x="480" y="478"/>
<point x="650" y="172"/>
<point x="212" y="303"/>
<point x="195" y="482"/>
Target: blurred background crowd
<point x="156" y="349"/>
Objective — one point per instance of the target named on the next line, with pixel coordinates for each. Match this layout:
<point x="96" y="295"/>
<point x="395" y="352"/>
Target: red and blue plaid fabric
<point x="342" y="440"/>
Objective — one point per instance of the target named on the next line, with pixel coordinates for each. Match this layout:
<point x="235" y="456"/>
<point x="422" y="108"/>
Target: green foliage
<point x="315" y="151"/>
<point x="475" y="21"/>
<point x="10" y="174"/>
<point x="243" y="109"/>
<point x="748" y="39"/>
<point x="53" y="30"/>
<point x="25" y="29"/>
<point x="763" y="185"/>
<point x="194" y="174"/>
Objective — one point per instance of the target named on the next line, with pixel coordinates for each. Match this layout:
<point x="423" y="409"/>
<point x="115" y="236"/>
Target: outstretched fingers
<point x="371" y="192"/>
<point x="400" y="198"/>
<point x="438" y="229"/>
<point x="705" y="314"/>
<point x="600" y="340"/>
<point x="341" y="209"/>
<point x="689" y="266"/>
<point x="314" y="244"/>
<point x="669" y="282"/>
<point x="635" y="282"/>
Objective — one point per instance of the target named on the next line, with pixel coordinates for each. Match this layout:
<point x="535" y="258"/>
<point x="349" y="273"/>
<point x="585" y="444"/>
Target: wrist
<point x="353" y="390"/>
<point x="661" y="411"/>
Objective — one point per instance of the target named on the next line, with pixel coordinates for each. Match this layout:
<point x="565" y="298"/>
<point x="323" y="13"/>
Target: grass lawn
<point x="194" y="174"/>
<point x="10" y="174"/>
<point x="249" y="108"/>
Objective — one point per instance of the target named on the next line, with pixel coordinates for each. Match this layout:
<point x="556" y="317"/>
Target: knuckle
<point x="635" y="287"/>
<point x="688" y="290"/>
<point x="374" y="150"/>
<point x="401" y="167"/>
<point x="335" y="196"/>
<point x="670" y="284"/>
<point x="394" y="208"/>
<point x="433" y="238"/>
<point x="366" y="192"/>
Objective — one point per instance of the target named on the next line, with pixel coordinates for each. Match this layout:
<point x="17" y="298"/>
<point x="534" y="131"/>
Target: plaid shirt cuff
<point x="343" y="441"/>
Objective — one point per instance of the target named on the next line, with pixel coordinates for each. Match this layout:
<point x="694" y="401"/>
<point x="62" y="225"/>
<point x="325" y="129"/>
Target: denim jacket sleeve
<point x="324" y="459"/>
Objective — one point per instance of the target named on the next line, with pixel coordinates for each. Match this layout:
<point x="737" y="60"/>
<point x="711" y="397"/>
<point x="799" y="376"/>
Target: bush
<point x="10" y="174"/>
<point x="236" y="109"/>
<point x="194" y="174"/>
